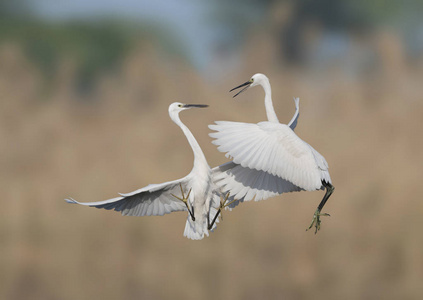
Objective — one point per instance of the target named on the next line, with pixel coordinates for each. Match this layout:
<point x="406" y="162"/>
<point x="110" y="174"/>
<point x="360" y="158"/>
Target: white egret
<point x="268" y="157"/>
<point x="195" y="193"/>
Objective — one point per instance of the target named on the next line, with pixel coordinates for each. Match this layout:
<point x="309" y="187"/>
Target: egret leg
<point x="316" y="217"/>
<point x="185" y="200"/>
<point x="223" y="203"/>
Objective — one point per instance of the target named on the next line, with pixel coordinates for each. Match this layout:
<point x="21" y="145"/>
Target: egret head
<point x="176" y="107"/>
<point x="256" y="79"/>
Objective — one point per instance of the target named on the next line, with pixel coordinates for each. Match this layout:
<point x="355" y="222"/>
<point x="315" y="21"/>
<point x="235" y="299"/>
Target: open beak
<point x="195" y="105"/>
<point x="246" y="84"/>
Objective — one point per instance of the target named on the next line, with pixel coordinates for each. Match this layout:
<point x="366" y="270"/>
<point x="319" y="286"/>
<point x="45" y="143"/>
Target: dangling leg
<point x="185" y="200"/>
<point x="316" y="217"/>
<point x="223" y="204"/>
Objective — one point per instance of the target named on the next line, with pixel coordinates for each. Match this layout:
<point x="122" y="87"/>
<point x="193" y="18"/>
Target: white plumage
<point x="268" y="157"/>
<point x="197" y="188"/>
<point x="270" y="147"/>
<point x="152" y="200"/>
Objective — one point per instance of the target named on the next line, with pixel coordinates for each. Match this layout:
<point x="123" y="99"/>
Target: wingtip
<point x="71" y="200"/>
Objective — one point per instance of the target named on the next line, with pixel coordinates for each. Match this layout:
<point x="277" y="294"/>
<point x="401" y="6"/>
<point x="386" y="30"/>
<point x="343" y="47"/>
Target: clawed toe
<point x="185" y="200"/>
<point x="316" y="220"/>
<point x="223" y="203"/>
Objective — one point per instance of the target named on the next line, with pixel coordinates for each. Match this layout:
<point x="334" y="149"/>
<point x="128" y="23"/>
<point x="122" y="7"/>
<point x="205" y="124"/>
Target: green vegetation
<point x="93" y="46"/>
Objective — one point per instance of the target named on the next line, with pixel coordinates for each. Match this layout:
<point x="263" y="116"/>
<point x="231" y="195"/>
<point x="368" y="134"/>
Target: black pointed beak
<point x="195" y="105"/>
<point x="246" y="84"/>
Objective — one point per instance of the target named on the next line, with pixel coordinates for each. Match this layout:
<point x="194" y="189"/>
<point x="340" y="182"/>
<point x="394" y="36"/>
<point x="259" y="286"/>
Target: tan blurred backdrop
<point x="363" y="111"/>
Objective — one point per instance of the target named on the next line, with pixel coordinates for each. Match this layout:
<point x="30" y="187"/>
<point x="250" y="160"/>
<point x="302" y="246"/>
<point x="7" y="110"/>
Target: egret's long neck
<point x="271" y="115"/>
<point x="198" y="153"/>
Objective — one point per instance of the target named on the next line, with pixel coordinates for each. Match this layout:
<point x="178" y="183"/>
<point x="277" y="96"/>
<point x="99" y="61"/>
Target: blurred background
<point x="85" y="87"/>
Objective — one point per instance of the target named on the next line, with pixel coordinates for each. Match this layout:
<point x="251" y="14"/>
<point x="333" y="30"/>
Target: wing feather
<point x="152" y="200"/>
<point x="273" y="148"/>
<point x="247" y="184"/>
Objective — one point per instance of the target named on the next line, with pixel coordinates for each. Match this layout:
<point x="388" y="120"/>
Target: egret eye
<point x="252" y="80"/>
<point x="179" y="105"/>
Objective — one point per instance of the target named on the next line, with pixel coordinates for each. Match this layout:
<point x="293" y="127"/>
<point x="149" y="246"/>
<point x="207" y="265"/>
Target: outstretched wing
<point x="270" y="147"/>
<point x="152" y="200"/>
<point x="293" y="123"/>
<point x="247" y="184"/>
